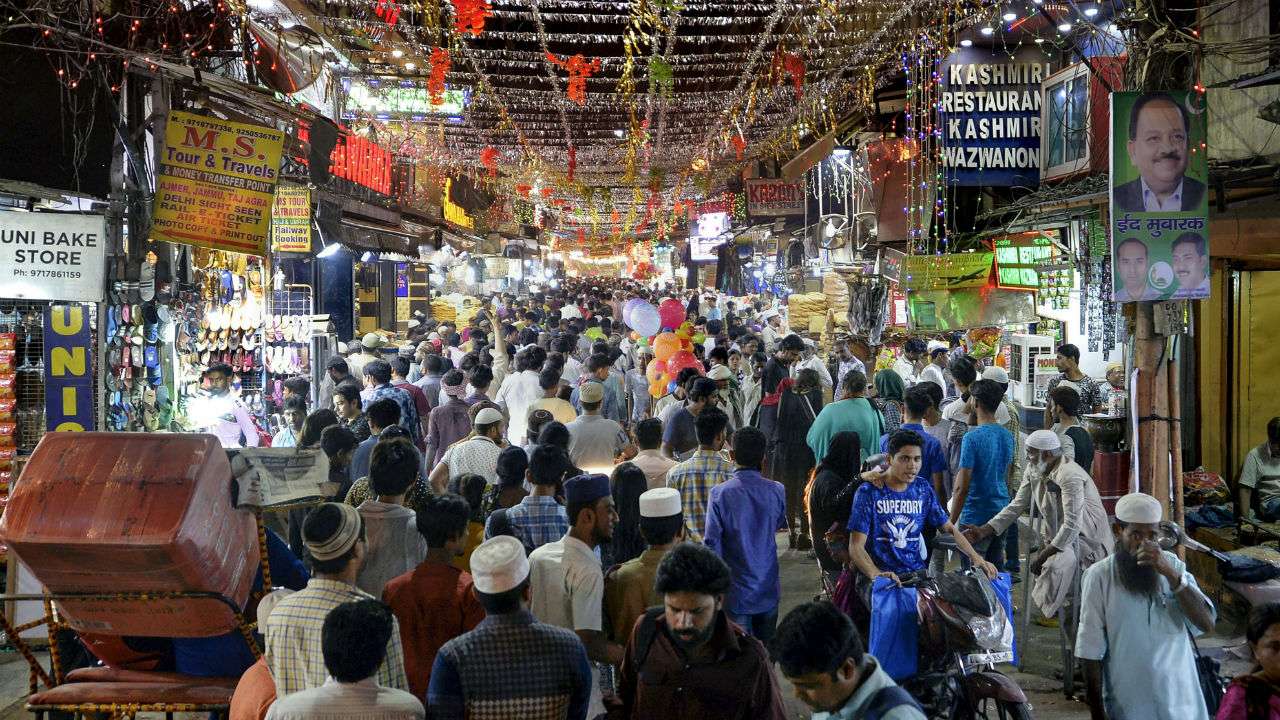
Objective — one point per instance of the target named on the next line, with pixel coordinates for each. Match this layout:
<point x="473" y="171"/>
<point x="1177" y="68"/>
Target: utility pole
<point x="1154" y="65"/>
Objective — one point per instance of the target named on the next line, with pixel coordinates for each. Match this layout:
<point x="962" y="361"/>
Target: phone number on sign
<point x="69" y="274"/>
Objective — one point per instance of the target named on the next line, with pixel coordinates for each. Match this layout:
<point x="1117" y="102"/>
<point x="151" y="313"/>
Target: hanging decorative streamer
<point x="579" y="70"/>
<point x="470" y="15"/>
<point x="662" y="77"/>
<point x="573" y="163"/>
<point x="440" y="64"/>
<point x="739" y="146"/>
<point x="489" y="159"/>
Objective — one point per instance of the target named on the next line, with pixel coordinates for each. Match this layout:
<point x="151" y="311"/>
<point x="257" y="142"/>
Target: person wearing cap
<point x="450" y="422"/>
<point x="476" y="455"/>
<point x="729" y="395"/>
<point x="809" y="359"/>
<point x="1115" y="394"/>
<point x="434" y="601"/>
<point x="368" y="351"/>
<point x="222" y="414"/>
<point x="511" y="665"/>
<point x="567" y="578"/>
<point x="936" y="371"/>
<point x="772" y="329"/>
<point x="1066" y="515"/>
<point x="256" y="690"/>
<point x="1139" y="610"/>
<point x="594" y="440"/>
<point x="334" y="537"/>
<point x="686" y="659"/>
<point x="628" y="588"/>
<point x="354" y="644"/>
<point x="1069" y="374"/>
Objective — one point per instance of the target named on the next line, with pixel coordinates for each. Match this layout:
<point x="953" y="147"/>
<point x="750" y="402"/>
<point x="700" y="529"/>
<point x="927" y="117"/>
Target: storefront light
<point x="1009" y="16"/>
<point x="987" y="30"/>
<point x="329" y="250"/>
<point x="1090" y="11"/>
<point x="966" y="43"/>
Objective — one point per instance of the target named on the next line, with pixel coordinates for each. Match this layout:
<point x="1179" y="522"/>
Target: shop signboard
<point x="52" y="256"/>
<point x="68" y="388"/>
<point x="946" y="272"/>
<point x="1019" y="258"/>
<point x="392" y="98"/>
<point x="891" y="263"/>
<point x="291" y="220"/>
<point x="1046" y="370"/>
<point x="771" y="197"/>
<point x="1159" y="202"/>
<point x="989" y="109"/>
<point x="216" y="183"/>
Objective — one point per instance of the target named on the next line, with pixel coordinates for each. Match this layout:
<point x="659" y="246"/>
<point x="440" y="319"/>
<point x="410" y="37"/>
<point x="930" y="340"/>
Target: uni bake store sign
<point x="989" y="113"/>
<point x="52" y="256"/>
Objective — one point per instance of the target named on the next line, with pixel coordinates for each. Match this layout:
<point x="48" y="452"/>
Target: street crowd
<point x="518" y="526"/>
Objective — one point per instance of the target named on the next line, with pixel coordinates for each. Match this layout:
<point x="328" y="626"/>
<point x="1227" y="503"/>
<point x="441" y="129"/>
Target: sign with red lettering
<point x="358" y="160"/>
<point x="773" y="197"/>
<point x="216" y="183"/>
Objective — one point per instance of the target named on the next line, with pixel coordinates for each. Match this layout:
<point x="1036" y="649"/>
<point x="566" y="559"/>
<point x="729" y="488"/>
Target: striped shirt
<point x="694" y="478"/>
<point x="537" y="520"/>
<point x="294" y="652"/>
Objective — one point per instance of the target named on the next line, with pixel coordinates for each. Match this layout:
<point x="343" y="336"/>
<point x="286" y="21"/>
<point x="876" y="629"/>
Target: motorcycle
<point x="963" y="634"/>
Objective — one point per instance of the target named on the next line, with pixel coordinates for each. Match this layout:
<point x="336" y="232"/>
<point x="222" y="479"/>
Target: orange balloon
<point x="665" y="345"/>
<point x="657" y="368"/>
<point x="681" y="360"/>
<point x="657" y="389"/>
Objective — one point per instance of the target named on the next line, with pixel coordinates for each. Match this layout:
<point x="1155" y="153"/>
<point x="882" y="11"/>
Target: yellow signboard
<point x="216" y="183"/>
<point x="946" y="272"/>
<point x="291" y="220"/>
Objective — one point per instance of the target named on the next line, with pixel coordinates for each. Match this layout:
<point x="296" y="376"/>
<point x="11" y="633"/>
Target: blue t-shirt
<point x="894" y="523"/>
<point x="987" y="450"/>
<point x="932" y="459"/>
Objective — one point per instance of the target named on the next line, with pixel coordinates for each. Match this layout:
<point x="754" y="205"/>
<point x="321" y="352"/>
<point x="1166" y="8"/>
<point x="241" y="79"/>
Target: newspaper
<point x="272" y="477"/>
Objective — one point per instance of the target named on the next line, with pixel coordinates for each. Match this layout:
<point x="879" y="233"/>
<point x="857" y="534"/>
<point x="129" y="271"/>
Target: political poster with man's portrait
<point x="1159" y="196"/>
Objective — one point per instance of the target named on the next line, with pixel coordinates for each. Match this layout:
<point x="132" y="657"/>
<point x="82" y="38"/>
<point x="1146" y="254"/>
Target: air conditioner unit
<point x="1075" y="118"/>
<point x="1031" y="358"/>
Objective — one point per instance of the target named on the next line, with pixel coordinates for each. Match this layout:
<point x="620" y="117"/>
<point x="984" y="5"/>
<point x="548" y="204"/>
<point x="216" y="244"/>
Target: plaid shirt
<point x="537" y="520"/>
<point x="511" y="666"/>
<point x="294" y="652"/>
<point x="409" y="419"/>
<point x="694" y="478"/>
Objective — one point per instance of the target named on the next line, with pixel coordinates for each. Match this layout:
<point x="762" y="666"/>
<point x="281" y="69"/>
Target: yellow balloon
<point x="665" y="345"/>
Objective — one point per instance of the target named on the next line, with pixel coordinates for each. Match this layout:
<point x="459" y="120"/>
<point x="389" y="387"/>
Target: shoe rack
<point x="288" y="333"/>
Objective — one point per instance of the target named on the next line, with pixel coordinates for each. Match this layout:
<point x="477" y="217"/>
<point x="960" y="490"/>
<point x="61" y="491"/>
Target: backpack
<point x="888" y="699"/>
<point x="645" y="635"/>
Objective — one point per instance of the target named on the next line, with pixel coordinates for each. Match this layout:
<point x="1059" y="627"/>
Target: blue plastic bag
<point x="1003" y="585"/>
<point x="895" y="628"/>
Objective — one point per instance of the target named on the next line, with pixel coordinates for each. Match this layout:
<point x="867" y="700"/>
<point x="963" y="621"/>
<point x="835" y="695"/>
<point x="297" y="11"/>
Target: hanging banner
<point x="773" y="198"/>
<point x="216" y="183"/>
<point x="1159" y="206"/>
<point x="52" y="256"/>
<point x="946" y="272"/>
<point x="68" y="389"/>
<point x="291" y="220"/>
<point x="989" y="109"/>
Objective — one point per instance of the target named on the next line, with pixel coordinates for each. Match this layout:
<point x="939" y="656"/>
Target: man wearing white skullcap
<point x="334" y="537"/>
<point x="1138" y="609"/>
<point x="510" y="665"/>
<point x="629" y="589"/>
<point x="1066" y="514"/>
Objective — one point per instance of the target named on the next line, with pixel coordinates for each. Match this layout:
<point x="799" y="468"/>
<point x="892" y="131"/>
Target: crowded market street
<point x="639" y="359"/>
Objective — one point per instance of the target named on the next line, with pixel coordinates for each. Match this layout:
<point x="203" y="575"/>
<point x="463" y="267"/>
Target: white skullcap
<point x="995" y="373"/>
<point x="499" y="564"/>
<point x="720" y="372"/>
<point x="1044" y="440"/>
<point x="488" y="416"/>
<point x="768" y="314"/>
<point x="660" y="502"/>
<point x="936" y="345"/>
<point x="1139" y="508"/>
<point x="268" y="603"/>
<point x="343" y="349"/>
<point x="413" y="324"/>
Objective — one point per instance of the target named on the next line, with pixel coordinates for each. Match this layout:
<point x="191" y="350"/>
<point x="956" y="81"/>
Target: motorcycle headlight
<point x="993" y="633"/>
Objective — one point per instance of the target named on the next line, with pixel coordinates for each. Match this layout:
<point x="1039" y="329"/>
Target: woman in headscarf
<point x="830" y="501"/>
<point x="799" y="403"/>
<point x="890" y="393"/>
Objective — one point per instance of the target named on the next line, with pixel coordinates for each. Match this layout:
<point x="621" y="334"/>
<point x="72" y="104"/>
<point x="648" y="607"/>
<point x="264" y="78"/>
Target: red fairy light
<point x="739" y="145"/>
<point x="489" y="159"/>
<point x="579" y="70"/>
<point x="546" y="192"/>
<point x="524" y="189"/>
<point x="440" y="64"/>
<point x="469" y="15"/>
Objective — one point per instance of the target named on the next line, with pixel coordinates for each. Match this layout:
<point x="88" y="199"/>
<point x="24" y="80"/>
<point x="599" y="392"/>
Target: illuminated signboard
<point x="390" y="98"/>
<point x="453" y="212"/>
<point x="1019" y="259"/>
<point x="356" y="159"/>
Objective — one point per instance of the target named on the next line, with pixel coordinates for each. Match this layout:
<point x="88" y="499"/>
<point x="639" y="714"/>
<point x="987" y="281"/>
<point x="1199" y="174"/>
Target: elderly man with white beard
<point x="1140" y="608"/>
<point x="1067" y="517"/>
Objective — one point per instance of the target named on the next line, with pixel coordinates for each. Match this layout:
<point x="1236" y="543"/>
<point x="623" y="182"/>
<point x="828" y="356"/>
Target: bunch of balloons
<point x="665" y="329"/>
